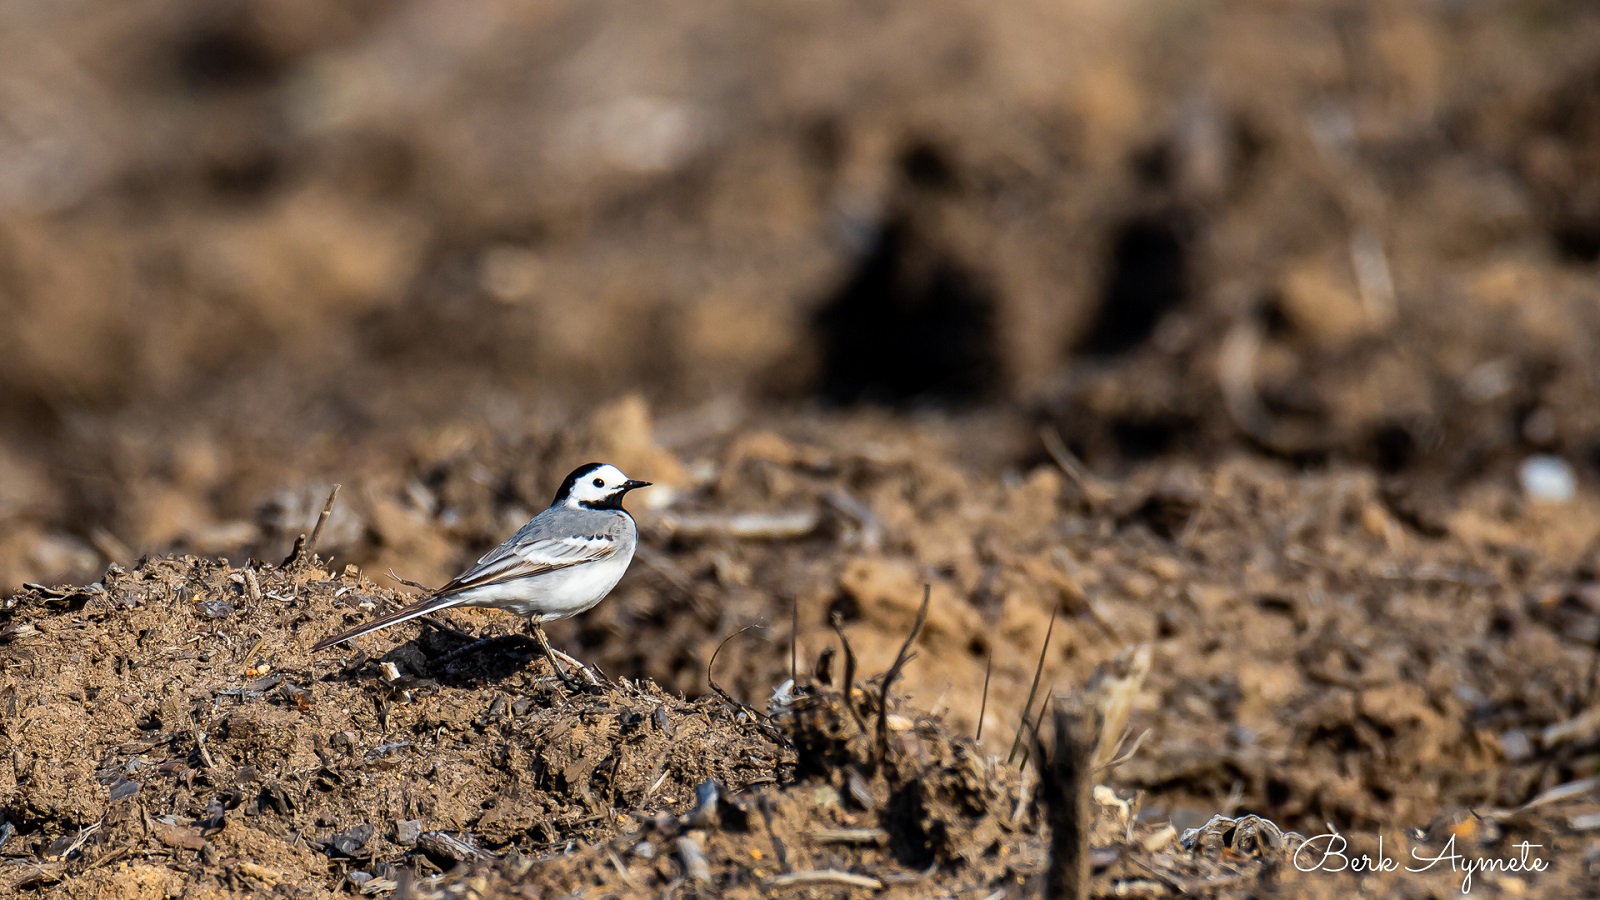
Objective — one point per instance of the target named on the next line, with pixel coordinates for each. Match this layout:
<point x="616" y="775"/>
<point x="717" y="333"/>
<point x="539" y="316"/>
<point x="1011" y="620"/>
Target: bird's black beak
<point x="634" y="484"/>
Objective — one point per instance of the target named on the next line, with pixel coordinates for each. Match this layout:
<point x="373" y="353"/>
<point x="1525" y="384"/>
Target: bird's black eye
<point x="599" y="482"/>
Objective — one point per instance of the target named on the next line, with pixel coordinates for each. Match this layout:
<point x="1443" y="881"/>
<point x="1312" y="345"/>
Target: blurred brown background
<point x="249" y="248"/>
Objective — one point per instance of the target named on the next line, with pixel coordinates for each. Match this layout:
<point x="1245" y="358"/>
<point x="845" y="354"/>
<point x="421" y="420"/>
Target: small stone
<point x="695" y="865"/>
<point x="59" y="847"/>
<point x="1548" y="478"/>
<point x="1516" y="745"/>
<point x="860" y="792"/>
<point x="706" y="795"/>
<point x="350" y="841"/>
<point x="122" y="789"/>
<point x="406" y="831"/>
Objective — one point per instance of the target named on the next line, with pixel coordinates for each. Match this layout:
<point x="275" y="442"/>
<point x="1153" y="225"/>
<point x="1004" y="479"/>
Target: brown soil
<point x="1223" y="333"/>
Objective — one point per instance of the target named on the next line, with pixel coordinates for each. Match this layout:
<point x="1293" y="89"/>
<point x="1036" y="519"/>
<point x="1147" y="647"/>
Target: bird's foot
<point x="550" y="654"/>
<point x="587" y="672"/>
<point x="589" y="683"/>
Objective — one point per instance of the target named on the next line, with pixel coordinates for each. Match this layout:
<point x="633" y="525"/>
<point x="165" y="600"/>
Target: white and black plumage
<point x="563" y="562"/>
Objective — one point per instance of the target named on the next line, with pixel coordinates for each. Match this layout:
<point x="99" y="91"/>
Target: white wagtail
<point x="563" y="562"/>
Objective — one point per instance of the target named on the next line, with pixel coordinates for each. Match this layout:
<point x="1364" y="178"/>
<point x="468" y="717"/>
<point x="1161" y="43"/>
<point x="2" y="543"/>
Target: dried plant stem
<point x="894" y="672"/>
<point x="794" y="637"/>
<point x="1033" y="690"/>
<point x="711" y="665"/>
<point x="983" y="705"/>
<point x="322" y="522"/>
<point x="849" y="674"/>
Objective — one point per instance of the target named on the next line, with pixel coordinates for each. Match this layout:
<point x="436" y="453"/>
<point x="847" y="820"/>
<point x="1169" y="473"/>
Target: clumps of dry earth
<point x="1291" y="652"/>
<point x="169" y="733"/>
<point x="169" y="726"/>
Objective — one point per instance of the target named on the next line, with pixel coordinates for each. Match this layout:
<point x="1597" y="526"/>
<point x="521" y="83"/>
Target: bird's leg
<point x="538" y="636"/>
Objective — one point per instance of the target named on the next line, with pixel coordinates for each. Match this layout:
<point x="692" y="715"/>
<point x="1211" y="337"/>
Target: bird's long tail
<point x="404" y="614"/>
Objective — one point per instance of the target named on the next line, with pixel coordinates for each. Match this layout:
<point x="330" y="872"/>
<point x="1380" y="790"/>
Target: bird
<point x="561" y="563"/>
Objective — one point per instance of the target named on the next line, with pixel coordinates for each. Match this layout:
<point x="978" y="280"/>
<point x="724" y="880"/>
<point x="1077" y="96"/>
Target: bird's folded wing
<point x="524" y="558"/>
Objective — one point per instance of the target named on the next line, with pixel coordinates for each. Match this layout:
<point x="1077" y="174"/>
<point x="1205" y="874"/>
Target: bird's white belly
<point x="555" y="594"/>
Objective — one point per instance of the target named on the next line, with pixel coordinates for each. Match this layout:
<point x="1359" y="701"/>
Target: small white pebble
<point x="1548" y="478"/>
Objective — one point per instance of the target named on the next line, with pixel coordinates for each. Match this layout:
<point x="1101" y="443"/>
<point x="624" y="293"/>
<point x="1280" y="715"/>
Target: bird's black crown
<point x="571" y="480"/>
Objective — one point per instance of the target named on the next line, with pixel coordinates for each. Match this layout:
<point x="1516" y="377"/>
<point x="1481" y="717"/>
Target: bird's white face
<point x="598" y="486"/>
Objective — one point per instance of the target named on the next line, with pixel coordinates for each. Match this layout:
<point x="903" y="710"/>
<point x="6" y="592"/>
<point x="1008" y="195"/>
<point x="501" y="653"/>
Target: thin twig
<point x="622" y="870"/>
<point x="712" y="664"/>
<point x="794" y="637"/>
<point x="322" y="521"/>
<point x="894" y="672"/>
<point x="983" y="707"/>
<point x="1033" y="729"/>
<point x="1094" y="491"/>
<point x="1033" y="690"/>
<point x="849" y="672"/>
<point x="850" y="835"/>
<point x="408" y="583"/>
<point x="825" y="876"/>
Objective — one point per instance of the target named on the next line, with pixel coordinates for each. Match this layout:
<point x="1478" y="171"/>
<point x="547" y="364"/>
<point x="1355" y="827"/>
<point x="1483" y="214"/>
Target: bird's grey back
<point x="559" y="522"/>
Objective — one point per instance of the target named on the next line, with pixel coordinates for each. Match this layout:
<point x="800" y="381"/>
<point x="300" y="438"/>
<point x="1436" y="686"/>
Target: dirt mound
<point x="1311" y="657"/>
<point x="174" y="709"/>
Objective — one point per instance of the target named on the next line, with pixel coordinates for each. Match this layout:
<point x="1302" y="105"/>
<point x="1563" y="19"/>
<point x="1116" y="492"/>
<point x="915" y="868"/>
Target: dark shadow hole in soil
<point x="925" y="166"/>
<point x="845" y="608"/>
<point x="1147" y="276"/>
<point x="1278" y="792"/>
<point x="910" y="841"/>
<point x="1165" y="514"/>
<point x="220" y="56"/>
<point x="1166" y="627"/>
<point x="1145" y="438"/>
<point x="1278" y="605"/>
<point x="1392" y="447"/>
<point x="1578" y="240"/>
<point x="1502" y="625"/>
<point x="908" y="325"/>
